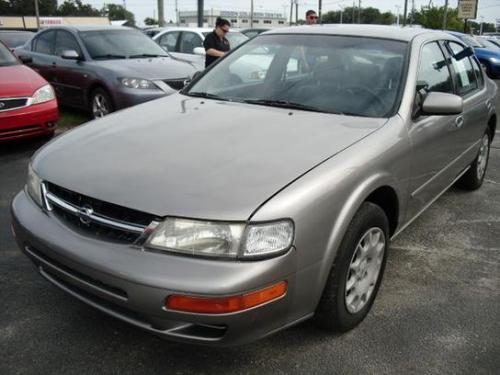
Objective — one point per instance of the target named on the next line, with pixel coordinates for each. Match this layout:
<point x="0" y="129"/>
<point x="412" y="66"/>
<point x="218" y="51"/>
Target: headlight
<point x="219" y="239"/>
<point x="34" y="186"/>
<point x="43" y="94"/>
<point x="138" y="83"/>
<point x="495" y="60"/>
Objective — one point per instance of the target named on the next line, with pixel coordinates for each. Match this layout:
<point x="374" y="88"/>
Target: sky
<point x="489" y="9"/>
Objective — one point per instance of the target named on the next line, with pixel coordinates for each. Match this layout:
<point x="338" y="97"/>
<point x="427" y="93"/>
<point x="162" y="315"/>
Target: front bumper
<point x="126" y="97"/>
<point x="132" y="285"/>
<point x="34" y="120"/>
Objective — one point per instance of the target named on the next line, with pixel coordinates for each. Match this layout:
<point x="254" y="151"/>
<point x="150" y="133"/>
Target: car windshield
<point x="15" y="39"/>
<point x="116" y="44"/>
<point x="322" y="73"/>
<point x="6" y="57"/>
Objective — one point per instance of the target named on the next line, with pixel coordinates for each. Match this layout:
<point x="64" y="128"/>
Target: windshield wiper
<point x="109" y="56"/>
<point x="146" y="55"/>
<point x="206" y="95"/>
<point x="284" y="104"/>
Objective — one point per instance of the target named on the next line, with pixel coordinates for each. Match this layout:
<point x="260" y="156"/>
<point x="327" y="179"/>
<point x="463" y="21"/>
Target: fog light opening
<point x="211" y="305"/>
<point x="51" y="124"/>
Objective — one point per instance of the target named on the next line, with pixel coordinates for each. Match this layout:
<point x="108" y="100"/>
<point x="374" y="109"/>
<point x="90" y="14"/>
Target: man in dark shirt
<point x="216" y="45"/>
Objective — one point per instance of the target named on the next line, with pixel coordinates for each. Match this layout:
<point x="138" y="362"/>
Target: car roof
<point x="16" y="31"/>
<point x="374" y="31"/>
<point x="90" y="28"/>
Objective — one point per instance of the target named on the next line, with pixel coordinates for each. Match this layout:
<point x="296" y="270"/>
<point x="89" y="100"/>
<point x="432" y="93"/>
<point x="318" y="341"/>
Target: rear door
<point x="42" y="51"/>
<point x="469" y="84"/>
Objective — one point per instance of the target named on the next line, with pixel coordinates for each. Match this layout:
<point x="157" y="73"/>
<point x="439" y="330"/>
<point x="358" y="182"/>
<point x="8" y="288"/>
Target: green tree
<point x="368" y="16"/>
<point x="432" y="18"/>
<point x="150" y="21"/>
<point x="27" y="7"/>
<point x="77" y="8"/>
<point x="117" y="12"/>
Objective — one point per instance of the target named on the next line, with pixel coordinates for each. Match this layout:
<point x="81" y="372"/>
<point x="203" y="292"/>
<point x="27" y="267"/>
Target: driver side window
<point x="433" y="72"/>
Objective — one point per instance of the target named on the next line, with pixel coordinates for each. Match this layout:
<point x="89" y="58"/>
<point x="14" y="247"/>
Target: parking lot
<point x="437" y="311"/>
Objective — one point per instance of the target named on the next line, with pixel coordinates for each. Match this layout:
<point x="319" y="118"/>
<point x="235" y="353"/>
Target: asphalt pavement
<point x="437" y="312"/>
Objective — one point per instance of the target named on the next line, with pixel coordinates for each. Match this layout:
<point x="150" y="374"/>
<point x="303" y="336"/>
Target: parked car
<point x="493" y="44"/>
<point x="104" y="68"/>
<point x="13" y="38"/>
<point x="28" y="106"/>
<point x="187" y="43"/>
<point x="489" y="58"/>
<point x="152" y="31"/>
<point x="250" y="33"/>
<point x="228" y="211"/>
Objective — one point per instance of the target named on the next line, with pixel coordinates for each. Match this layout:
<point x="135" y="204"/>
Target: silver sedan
<point x="253" y="200"/>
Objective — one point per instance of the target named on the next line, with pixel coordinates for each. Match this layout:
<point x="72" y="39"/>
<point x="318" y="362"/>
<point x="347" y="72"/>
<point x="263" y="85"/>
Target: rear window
<point x="15" y="39"/>
<point x="6" y="57"/>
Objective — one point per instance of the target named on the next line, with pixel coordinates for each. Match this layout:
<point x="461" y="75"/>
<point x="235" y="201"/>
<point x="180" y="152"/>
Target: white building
<point x="237" y="19"/>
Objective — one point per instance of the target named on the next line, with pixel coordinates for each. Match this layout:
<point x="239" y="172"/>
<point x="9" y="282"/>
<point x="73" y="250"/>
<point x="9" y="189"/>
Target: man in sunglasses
<point x="311" y="17"/>
<point x="216" y="45"/>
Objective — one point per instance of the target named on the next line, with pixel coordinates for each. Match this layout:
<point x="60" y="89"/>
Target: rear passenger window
<point x="433" y="72"/>
<point x="465" y="76"/>
<point x="44" y="43"/>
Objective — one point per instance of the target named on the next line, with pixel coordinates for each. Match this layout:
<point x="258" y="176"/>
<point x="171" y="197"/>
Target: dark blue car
<point x="487" y="55"/>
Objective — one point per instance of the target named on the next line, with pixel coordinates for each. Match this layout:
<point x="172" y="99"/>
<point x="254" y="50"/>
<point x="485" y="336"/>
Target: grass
<point x="71" y="118"/>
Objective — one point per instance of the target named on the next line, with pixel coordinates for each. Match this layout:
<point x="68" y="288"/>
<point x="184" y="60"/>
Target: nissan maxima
<point x="101" y="69"/>
<point x="239" y="207"/>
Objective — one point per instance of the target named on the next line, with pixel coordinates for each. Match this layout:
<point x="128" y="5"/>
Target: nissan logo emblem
<point x="84" y="213"/>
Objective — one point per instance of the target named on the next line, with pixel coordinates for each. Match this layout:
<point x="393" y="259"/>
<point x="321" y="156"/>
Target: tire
<point x="474" y="177"/>
<point x="335" y="311"/>
<point x="100" y="103"/>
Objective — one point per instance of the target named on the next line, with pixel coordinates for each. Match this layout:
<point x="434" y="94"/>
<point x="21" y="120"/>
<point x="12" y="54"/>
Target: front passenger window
<point x="66" y="42"/>
<point x="189" y="41"/>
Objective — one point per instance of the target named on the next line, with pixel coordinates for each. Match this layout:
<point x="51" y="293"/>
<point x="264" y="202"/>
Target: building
<point x="237" y="19"/>
<point x="29" y="22"/>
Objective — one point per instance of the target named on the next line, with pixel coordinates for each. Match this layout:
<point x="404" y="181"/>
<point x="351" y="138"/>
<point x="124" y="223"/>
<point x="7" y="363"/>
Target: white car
<point x="187" y="42"/>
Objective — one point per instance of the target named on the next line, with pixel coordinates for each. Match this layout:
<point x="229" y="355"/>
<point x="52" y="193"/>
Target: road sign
<point x="467" y="9"/>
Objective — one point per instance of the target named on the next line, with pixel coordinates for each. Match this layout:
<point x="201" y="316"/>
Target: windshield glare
<point x="333" y="74"/>
<point x="6" y="57"/>
<point x="103" y="44"/>
<point x="235" y="39"/>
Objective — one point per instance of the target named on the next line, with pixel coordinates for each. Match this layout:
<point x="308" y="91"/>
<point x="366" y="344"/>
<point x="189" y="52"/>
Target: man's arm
<point x="215" y="52"/>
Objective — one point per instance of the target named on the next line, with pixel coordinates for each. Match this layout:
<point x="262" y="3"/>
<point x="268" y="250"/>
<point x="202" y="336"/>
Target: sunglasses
<point x="313" y="17"/>
<point x="224" y="30"/>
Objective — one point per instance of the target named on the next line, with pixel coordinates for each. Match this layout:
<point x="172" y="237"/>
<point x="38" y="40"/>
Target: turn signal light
<point x="208" y="305"/>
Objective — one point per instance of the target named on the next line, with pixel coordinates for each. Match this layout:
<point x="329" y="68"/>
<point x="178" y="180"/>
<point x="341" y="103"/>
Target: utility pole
<point x="37" y="14"/>
<point x="353" y="7"/>
<point x="296" y="12"/>
<point x="445" y="17"/>
<point x="251" y="13"/>
<point x="125" y="4"/>
<point x="161" y="16"/>
<point x="319" y="10"/>
<point x="200" y="13"/>
<point x="176" y="13"/>
<point x="291" y="12"/>
<point x="341" y="11"/>
<point x="359" y="11"/>
<point x="405" y="12"/>
<point x="397" y="14"/>
<point x="413" y="11"/>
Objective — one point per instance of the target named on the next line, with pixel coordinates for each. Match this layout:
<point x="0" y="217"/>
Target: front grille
<point x="109" y="221"/>
<point x="176" y="84"/>
<point x="7" y="104"/>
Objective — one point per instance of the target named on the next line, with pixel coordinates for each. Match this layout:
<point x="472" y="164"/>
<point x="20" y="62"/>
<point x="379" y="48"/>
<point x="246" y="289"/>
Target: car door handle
<point x="459" y="122"/>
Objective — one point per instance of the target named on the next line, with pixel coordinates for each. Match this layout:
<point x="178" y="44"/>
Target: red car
<point x="28" y="105"/>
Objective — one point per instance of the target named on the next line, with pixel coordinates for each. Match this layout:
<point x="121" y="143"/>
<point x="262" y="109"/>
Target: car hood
<point x="19" y="80"/>
<point x="149" y="68"/>
<point x="194" y="157"/>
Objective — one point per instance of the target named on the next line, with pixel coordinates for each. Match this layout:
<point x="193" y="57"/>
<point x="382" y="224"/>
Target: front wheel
<point x="357" y="271"/>
<point x="100" y="103"/>
<point x="474" y="177"/>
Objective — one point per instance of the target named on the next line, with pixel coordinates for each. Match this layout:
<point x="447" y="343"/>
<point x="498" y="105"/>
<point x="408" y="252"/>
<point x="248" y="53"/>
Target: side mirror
<point x="199" y="51"/>
<point x="70" y="55"/>
<point x="442" y="104"/>
<point x="192" y="77"/>
<point x="25" y="59"/>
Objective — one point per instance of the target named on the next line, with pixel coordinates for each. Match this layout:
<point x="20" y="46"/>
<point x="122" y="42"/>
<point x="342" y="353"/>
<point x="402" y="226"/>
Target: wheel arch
<point x="492" y="125"/>
<point x="99" y="85"/>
